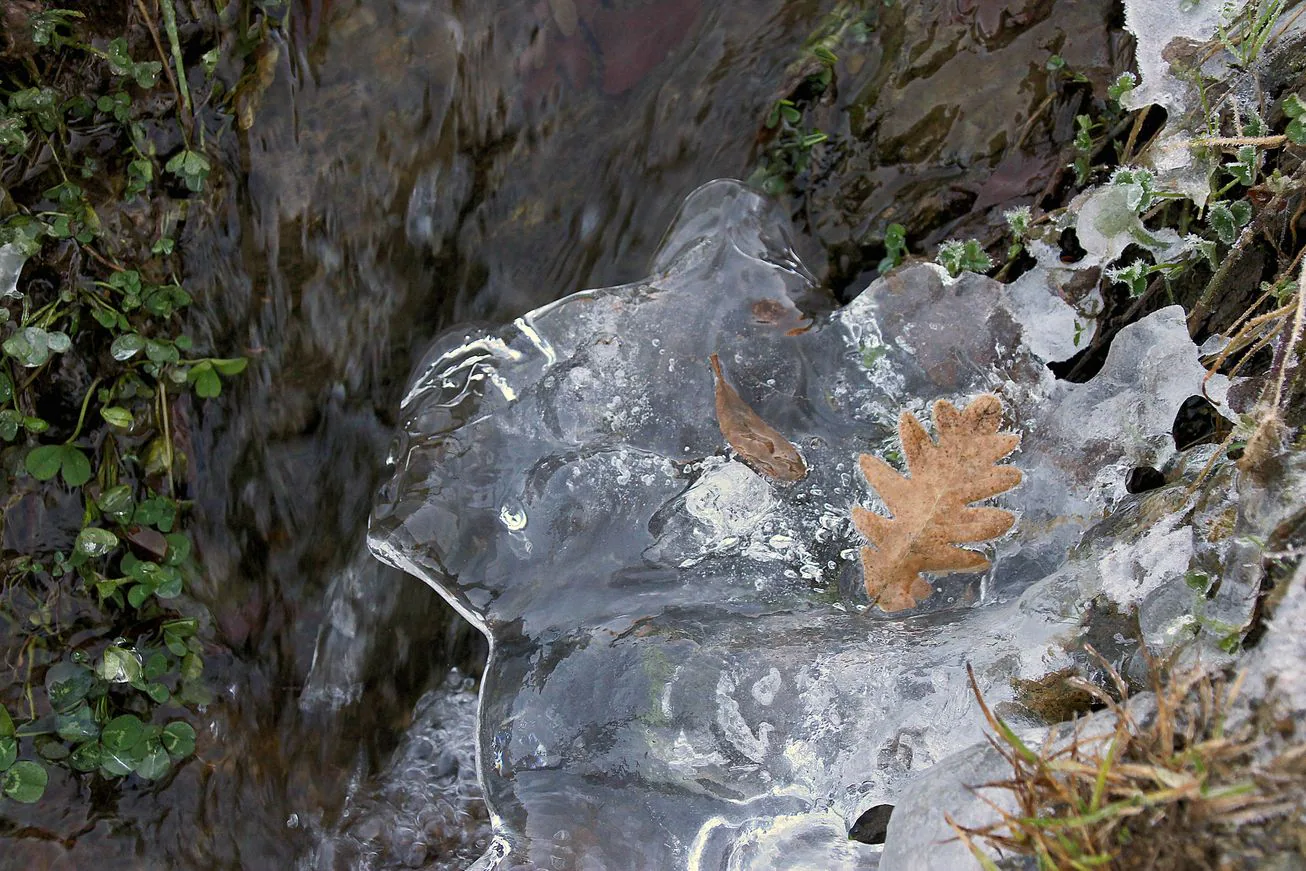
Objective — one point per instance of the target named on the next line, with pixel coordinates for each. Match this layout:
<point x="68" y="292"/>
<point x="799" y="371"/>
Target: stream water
<point x="421" y="163"/>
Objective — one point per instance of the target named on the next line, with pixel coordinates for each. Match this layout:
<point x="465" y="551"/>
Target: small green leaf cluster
<point x="792" y="137"/>
<point x="957" y="257"/>
<point x="191" y="167"/>
<point x="144" y="73"/>
<point x="790" y="153"/>
<point x="1019" y="220"/>
<point x="895" y="247"/>
<point x="1296" y="112"/>
<point x="1227" y="219"/>
<point x="83" y="731"/>
<point x="1124" y="83"/>
<point x="1137" y="274"/>
<point x="52" y="27"/>
<point x="1057" y="65"/>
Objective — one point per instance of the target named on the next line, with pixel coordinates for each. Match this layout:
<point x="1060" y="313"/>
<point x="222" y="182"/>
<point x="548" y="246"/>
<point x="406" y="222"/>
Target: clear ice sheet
<point x="685" y="670"/>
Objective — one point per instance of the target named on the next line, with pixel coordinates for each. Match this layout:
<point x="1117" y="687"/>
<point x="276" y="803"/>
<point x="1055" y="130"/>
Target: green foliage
<point x="1142" y="185"/>
<point x="45" y="462"/>
<point x="32" y="346"/>
<point x="895" y="247"/>
<point x="958" y="257"/>
<point x="25" y="782"/>
<point x="1227" y="219"/>
<point x="191" y="167"/>
<point x="144" y="73"/>
<point x="1246" y="29"/>
<point x="1057" y="65"/>
<point x="91" y="705"/>
<point x="1296" y="112"/>
<point x="1085" y="146"/>
<point x="788" y="155"/>
<point x="1134" y="276"/>
<point x="50" y="26"/>
<point x="1124" y="83"/>
<point x="1245" y="168"/>
<point x="204" y="374"/>
<point x="1018" y="222"/>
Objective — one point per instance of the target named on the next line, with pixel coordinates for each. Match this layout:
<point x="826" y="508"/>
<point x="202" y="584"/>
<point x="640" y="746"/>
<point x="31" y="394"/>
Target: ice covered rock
<point x="686" y="671"/>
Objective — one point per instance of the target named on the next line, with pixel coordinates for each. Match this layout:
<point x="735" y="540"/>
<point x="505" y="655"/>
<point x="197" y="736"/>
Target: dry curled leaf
<point x="930" y="509"/>
<point x="758" y="443"/>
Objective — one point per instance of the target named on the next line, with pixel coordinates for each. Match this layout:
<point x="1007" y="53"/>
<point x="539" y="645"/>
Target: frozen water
<point x="361" y="599"/>
<point x="423" y="806"/>
<point x="686" y="672"/>
<point x="1156" y="25"/>
<point x="12" y="258"/>
<point x="1107" y="222"/>
<point x="1169" y="37"/>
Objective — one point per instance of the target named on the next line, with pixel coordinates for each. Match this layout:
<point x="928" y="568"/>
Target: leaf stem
<point x="158" y="46"/>
<point x="167" y="433"/>
<point x="174" y="43"/>
<point x="81" y="417"/>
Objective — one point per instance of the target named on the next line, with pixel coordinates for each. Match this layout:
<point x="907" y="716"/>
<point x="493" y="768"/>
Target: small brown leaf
<point x="930" y="513"/>
<point x="147" y="540"/>
<point x="758" y="444"/>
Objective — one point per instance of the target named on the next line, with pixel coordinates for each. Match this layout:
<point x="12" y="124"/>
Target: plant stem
<point x="170" y="25"/>
<point x="1239" y="141"/>
<point x="158" y="46"/>
<point x="81" y="417"/>
<point x="167" y="433"/>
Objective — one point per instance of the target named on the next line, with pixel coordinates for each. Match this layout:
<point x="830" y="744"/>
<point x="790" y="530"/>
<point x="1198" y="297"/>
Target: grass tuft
<point x="1167" y="788"/>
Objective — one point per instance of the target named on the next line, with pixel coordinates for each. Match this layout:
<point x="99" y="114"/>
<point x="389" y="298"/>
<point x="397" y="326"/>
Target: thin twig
<point x="1294" y="337"/>
<point x="1133" y="134"/>
<point x="1239" y="141"/>
<point x="1034" y="116"/>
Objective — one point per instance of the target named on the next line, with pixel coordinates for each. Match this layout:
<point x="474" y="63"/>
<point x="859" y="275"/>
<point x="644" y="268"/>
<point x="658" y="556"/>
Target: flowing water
<point x="420" y="163"/>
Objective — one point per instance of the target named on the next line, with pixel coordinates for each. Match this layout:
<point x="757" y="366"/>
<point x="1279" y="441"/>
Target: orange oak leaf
<point x="931" y="511"/>
<point x="758" y="443"/>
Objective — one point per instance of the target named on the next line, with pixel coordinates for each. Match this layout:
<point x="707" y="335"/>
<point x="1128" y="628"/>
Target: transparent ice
<point x="685" y="670"/>
<point x="12" y="258"/>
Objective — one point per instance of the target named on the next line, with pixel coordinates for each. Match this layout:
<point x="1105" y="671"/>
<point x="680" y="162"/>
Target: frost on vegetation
<point x="686" y="671"/>
<point x="1181" y="48"/>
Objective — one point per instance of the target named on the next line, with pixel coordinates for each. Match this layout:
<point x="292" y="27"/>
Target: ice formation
<point x="685" y="670"/>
